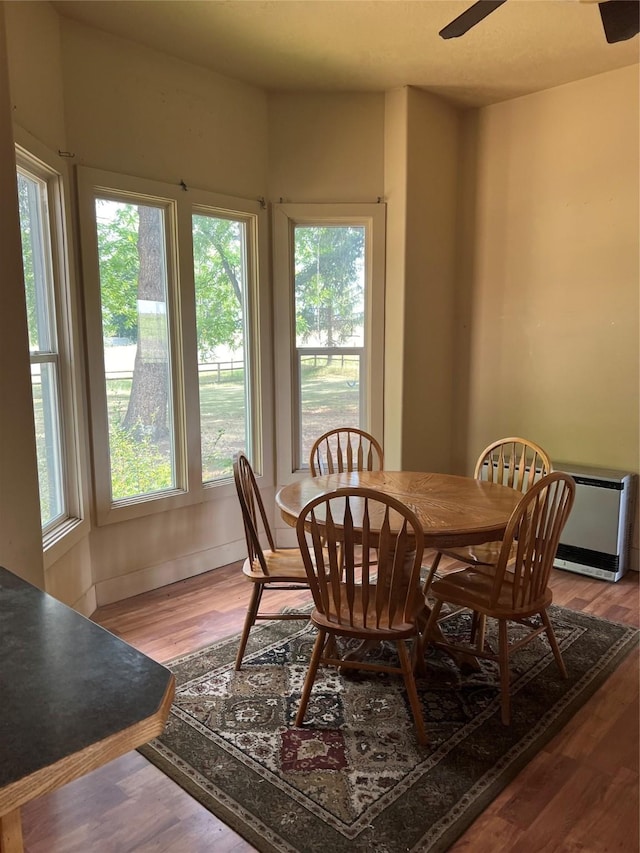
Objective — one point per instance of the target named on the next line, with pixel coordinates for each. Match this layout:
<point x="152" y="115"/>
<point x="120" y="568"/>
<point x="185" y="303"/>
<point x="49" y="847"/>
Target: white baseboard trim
<point x="154" y="577"/>
<point x="163" y="574"/>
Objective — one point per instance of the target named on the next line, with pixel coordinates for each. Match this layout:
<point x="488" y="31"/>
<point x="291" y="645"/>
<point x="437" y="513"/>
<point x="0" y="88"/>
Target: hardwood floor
<point x="579" y="794"/>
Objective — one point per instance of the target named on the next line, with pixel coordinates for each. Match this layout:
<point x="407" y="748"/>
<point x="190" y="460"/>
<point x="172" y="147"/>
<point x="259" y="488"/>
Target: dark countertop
<point x="65" y="682"/>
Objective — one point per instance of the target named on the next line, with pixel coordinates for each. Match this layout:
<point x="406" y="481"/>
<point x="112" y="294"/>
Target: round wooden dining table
<point x="453" y="510"/>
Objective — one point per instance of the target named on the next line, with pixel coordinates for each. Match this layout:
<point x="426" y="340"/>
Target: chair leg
<point x="249" y="621"/>
<point x="432" y="622"/>
<point x="555" y="648"/>
<point x="478" y="629"/>
<point x="422" y="638"/>
<point x="410" y="685"/>
<point x="311" y="675"/>
<point x="503" y="654"/>
<point x="432" y="571"/>
<point x="474" y="625"/>
<point x="417" y="655"/>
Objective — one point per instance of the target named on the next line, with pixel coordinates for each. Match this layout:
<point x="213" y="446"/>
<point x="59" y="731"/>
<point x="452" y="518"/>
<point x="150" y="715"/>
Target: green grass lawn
<point x="330" y="397"/>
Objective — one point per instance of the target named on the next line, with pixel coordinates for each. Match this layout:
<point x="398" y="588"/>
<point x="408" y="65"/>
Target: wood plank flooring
<point x="579" y="794"/>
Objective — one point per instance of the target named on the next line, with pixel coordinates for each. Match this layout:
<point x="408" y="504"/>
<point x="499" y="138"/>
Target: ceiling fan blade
<point x="620" y="19"/>
<point x="469" y="18"/>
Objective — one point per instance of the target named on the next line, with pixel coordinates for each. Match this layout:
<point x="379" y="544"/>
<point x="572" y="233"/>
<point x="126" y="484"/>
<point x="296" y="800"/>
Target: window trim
<point x="62" y="535"/>
<point x="183" y="203"/>
<point x="285" y="218"/>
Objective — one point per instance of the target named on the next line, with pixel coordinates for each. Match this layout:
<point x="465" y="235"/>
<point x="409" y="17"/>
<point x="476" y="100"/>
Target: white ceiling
<point x="371" y="45"/>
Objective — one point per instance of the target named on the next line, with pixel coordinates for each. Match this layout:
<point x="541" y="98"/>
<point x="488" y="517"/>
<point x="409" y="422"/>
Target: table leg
<point x="363" y="647"/>
<point x="465" y="660"/>
<point x="11" y="832"/>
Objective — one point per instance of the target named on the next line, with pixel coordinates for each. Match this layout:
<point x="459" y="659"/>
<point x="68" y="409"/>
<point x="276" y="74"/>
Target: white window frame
<point x="33" y="158"/>
<point x="179" y="204"/>
<point x="285" y="218"/>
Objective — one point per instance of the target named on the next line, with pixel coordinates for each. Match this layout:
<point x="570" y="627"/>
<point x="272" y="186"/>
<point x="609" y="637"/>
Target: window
<point x="175" y="366"/>
<point x="328" y="272"/>
<point x="221" y="271"/>
<point x="50" y="324"/>
<point x="135" y="310"/>
<point x="330" y="371"/>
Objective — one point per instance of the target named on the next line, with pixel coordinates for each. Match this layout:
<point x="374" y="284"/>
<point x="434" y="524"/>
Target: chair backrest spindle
<point x="340" y="523"/>
<point x="534" y="532"/>
<point x="514" y="462"/>
<point x="345" y="449"/>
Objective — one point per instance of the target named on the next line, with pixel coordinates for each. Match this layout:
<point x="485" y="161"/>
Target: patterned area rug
<point x="354" y="779"/>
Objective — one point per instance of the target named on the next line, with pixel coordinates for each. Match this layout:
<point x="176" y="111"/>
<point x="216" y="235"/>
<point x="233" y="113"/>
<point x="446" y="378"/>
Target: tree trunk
<point x="147" y="410"/>
<point x="330" y="341"/>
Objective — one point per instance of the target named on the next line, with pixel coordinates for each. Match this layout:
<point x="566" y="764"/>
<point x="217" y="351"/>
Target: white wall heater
<point x="596" y="539"/>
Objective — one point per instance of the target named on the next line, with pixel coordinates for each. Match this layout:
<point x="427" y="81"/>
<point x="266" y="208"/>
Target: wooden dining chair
<point x="345" y="449"/>
<point x="269" y="568"/>
<point x="518" y="586"/>
<point x="513" y="462"/>
<point x="382" y="601"/>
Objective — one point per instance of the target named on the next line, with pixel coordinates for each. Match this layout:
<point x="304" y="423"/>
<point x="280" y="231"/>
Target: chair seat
<point x="477" y="555"/>
<point x="283" y="565"/>
<point x="472" y="588"/>
<point x="360" y="626"/>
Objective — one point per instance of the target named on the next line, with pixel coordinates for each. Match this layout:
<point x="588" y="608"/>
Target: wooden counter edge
<point x="80" y="763"/>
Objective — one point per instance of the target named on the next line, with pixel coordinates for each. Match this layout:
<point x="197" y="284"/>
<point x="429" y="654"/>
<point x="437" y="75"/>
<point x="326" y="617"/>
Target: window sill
<point x="63" y="538"/>
<point x="159" y="503"/>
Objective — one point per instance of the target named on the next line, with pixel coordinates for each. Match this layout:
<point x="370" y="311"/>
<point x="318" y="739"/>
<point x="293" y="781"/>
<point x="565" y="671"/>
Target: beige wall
<point x="37" y="92"/>
<point x="429" y="384"/>
<point x="395" y="180"/>
<point x="326" y="148"/>
<point x="20" y="537"/>
<point x="70" y="578"/>
<point x="160" y="549"/>
<point x="553" y="309"/>
<point x="37" y="106"/>
<point x="548" y="326"/>
<point x="139" y="112"/>
<point x="421" y="155"/>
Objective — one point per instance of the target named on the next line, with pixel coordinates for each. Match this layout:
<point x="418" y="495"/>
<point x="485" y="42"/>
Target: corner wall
<point x="20" y="531"/>
<point x="431" y="243"/>
<point x="421" y="180"/>
<point x="552" y="324"/>
<point x="395" y="188"/>
<point x="554" y="314"/>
